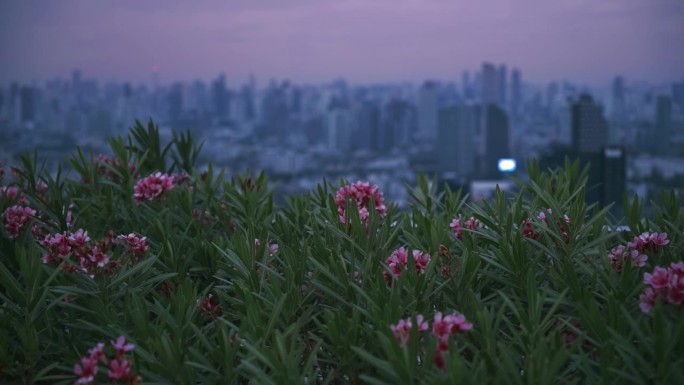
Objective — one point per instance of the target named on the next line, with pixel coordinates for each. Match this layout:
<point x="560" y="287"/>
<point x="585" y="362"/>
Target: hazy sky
<point x="362" y="40"/>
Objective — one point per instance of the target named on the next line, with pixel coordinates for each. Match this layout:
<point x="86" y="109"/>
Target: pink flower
<point x="11" y="192"/>
<point x="649" y="241"/>
<point x="360" y="194"/>
<point x="398" y="261"/>
<point x="86" y="371"/>
<point x="15" y="218"/>
<point x="97" y="353"/>
<point x="647" y="299"/>
<point x="450" y="324"/>
<point x="659" y="279"/>
<point x="98" y="257"/>
<point x="79" y="238"/>
<point x="666" y="284"/>
<point x="675" y="289"/>
<point x="121" y="346"/>
<point x="152" y="187"/>
<point x="456" y="227"/>
<point x="402" y="329"/>
<point x="136" y="246"/>
<point x="119" y="370"/>
<point x="470" y="224"/>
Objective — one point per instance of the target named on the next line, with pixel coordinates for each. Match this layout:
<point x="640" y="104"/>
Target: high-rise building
<point x="219" y="97"/>
<point x="678" y="94"/>
<point x="589" y="126"/>
<point x="467" y="87"/>
<point x="398" y="122"/>
<point x="490" y="84"/>
<point x="367" y="128"/>
<point x="614" y="178"/>
<point x="618" y="102"/>
<point x="663" y="124"/>
<point x="501" y="80"/>
<point x="497" y="142"/>
<point x="456" y="144"/>
<point x="28" y="104"/>
<point x="427" y="111"/>
<point x="516" y="93"/>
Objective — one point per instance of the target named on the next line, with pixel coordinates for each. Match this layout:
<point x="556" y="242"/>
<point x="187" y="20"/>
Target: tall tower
<point x="618" y="102"/>
<point x="589" y="127"/>
<point x="501" y="81"/>
<point x="516" y="93"/>
<point x="490" y="84"/>
<point x="663" y="123"/>
<point x="456" y="144"/>
<point x="497" y="143"/>
<point x="427" y="111"/>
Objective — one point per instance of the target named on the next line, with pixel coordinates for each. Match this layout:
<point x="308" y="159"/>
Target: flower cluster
<point x="152" y="186"/>
<point x="15" y="218"/>
<point x="398" y="261"/>
<point x="649" y="242"/>
<point x="442" y="328"/>
<point x="136" y="246"/>
<point x="619" y="254"/>
<point x="470" y="224"/>
<point x="637" y="249"/>
<point x="118" y="364"/>
<point x="665" y="284"/>
<point x="361" y="194"/>
<point x="13" y="193"/>
<point x="61" y="246"/>
<point x="402" y="330"/>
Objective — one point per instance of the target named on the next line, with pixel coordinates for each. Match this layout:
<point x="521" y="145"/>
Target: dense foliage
<point x="140" y="269"/>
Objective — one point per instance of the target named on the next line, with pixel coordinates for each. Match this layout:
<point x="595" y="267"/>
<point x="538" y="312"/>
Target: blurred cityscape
<point x="457" y="130"/>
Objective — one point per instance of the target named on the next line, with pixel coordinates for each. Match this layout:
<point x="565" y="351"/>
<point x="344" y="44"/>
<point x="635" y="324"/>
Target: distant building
<point x="340" y="125"/>
<point x="219" y="97"/>
<point x="502" y="89"/>
<point x="589" y="126"/>
<point x="490" y="84"/>
<point x="678" y="94"/>
<point x="618" y="101"/>
<point x="456" y="144"/>
<point x="663" y="125"/>
<point x="366" y="133"/>
<point x="516" y="93"/>
<point x="427" y="111"/>
<point x="398" y="121"/>
<point x="28" y="104"/>
<point x="497" y="141"/>
<point x="614" y="178"/>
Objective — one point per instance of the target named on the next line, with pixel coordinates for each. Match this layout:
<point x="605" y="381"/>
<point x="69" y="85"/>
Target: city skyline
<point x="316" y="41"/>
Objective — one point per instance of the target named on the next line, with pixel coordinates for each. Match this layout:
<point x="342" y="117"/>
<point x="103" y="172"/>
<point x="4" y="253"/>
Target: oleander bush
<point x="139" y="268"/>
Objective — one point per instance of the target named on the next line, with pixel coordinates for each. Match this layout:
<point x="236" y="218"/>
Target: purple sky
<point x="362" y="40"/>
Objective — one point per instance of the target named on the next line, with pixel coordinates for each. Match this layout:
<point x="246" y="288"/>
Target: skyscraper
<point x="219" y="97"/>
<point x="516" y="93"/>
<point x="589" y="127"/>
<point x="497" y="142"/>
<point x="456" y="144"/>
<point x="501" y="80"/>
<point x="618" y="102"/>
<point x="28" y="104"/>
<point x="427" y="111"/>
<point x="663" y="124"/>
<point x="490" y="84"/>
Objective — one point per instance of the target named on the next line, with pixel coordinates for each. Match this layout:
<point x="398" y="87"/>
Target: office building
<point x="589" y="126"/>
